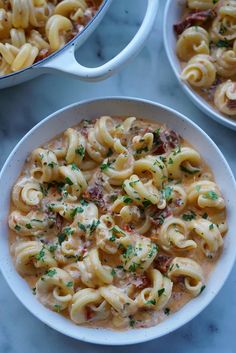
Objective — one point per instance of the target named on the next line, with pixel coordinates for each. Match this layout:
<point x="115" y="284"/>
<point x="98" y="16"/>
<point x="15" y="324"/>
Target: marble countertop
<point x="148" y="76"/>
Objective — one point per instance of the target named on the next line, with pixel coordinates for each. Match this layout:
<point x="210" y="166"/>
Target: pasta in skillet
<point x="31" y="30"/>
<point x="117" y="222"/>
<point x="206" y="48"/>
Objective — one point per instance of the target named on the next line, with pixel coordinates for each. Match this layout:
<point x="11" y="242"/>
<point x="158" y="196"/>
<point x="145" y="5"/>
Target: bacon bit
<point x="127" y="228"/>
<point x="88" y="313"/>
<point x="43" y="53"/>
<point x="194" y="18"/>
<point x="140" y="282"/>
<point x="158" y="216"/>
<point x="84" y="131"/>
<point x="165" y="140"/>
<point x="95" y="194"/>
<point x="59" y="221"/>
<point x="162" y="262"/>
<point x="231" y="104"/>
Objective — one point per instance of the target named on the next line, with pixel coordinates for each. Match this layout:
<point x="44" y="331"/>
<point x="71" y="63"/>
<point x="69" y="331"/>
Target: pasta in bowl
<point x="199" y="42"/>
<point x="116" y="222"/>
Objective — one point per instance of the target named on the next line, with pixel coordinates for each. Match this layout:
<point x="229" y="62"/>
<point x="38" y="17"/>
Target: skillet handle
<point x="65" y="62"/>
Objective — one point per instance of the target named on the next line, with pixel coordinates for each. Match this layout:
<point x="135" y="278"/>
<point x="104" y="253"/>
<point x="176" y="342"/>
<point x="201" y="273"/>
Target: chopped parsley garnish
<point x="212" y="195"/>
<point x="133" y="267"/>
<point x="168" y="192"/>
<point x="170" y="161"/>
<point x="112" y="238"/>
<point x="75" y="211"/>
<point x="127" y="199"/>
<point x="146" y="203"/>
<point x="205" y="215"/>
<point x="161" y="291"/>
<point x="57" y="307"/>
<point x="202" y="289"/>
<point x="84" y="202"/>
<point x="80" y="151"/>
<point x="69" y="284"/>
<point x="82" y="226"/>
<point x="222" y="43"/>
<point x="105" y="166"/>
<point x="68" y="181"/>
<point x="74" y="167"/>
<point x="151" y="302"/>
<point x="211" y="226"/>
<point x="94" y="225"/>
<point x="52" y="248"/>
<point x="189" y="216"/>
<point x="51" y="164"/>
<point x="40" y="255"/>
<point x="167" y="311"/>
<point x="61" y="237"/>
<point x="51" y="273"/>
<point x="154" y="249"/>
<point x="128" y="252"/>
<point x="28" y="226"/>
<point x="113" y="272"/>
<point x="17" y="227"/>
<point x="131" y="322"/>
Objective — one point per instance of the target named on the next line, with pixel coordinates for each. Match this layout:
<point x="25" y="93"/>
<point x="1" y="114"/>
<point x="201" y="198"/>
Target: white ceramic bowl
<point x="172" y="15"/>
<point x="69" y="116"/>
<point x="64" y="61"/>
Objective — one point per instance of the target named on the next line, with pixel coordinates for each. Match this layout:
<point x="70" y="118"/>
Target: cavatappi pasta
<point x="206" y="47"/>
<point x="117" y="222"/>
<point x="31" y="30"/>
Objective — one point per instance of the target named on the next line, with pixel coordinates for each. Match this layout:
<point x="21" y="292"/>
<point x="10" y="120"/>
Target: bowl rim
<point x="200" y="102"/>
<point x="132" y="339"/>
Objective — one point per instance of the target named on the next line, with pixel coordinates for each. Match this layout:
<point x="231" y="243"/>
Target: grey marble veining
<point x="148" y="76"/>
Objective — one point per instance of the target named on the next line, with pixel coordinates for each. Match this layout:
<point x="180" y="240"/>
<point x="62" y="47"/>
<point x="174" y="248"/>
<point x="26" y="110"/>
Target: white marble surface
<point x="148" y="76"/>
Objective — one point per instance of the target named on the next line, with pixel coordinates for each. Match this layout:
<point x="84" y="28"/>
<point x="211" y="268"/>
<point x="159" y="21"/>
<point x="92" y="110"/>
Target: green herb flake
<point x="105" y="166"/>
<point x="28" y="226"/>
<point x="80" y="151"/>
<point x="57" y="307"/>
<point x="160" y="291"/>
<point x="167" y="311"/>
<point x="132" y="322"/>
<point x="202" y="289"/>
<point x="75" y="211"/>
<point x="205" y="215"/>
<point x="170" y="161"/>
<point x="133" y="267"/>
<point x="223" y="43"/>
<point x="168" y="192"/>
<point x="17" y="228"/>
<point x="69" y="284"/>
<point x="151" y="302"/>
<point x="61" y="237"/>
<point x="82" y="226"/>
<point x="112" y="238"/>
<point x="212" y="195"/>
<point x="40" y="255"/>
<point x="74" y="167"/>
<point x="189" y="216"/>
<point x="127" y="199"/>
<point x="113" y="272"/>
<point x="51" y="273"/>
<point x="68" y="181"/>
<point x="211" y="226"/>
